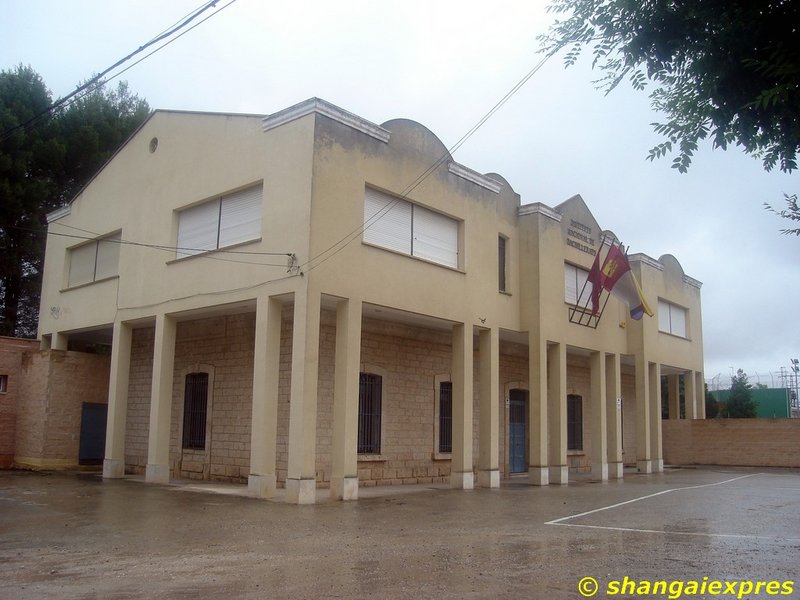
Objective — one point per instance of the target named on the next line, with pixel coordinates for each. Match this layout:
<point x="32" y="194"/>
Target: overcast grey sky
<point x="445" y="64"/>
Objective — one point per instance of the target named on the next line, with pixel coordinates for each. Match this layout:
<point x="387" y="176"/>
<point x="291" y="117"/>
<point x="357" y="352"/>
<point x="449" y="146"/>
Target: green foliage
<point x="724" y="70"/>
<point x="712" y="408"/>
<point x="43" y="164"/>
<point x="791" y="212"/>
<point x="740" y="404"/>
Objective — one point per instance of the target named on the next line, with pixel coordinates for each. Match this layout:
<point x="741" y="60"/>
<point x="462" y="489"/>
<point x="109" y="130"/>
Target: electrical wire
<point x="95" y="82"/>
<point x="341" y="244"/>
<point x="202" y="252"/>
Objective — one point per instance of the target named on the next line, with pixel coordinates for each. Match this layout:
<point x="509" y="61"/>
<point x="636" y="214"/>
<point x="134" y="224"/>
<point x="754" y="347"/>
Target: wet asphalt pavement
<point x="77" y="536"/>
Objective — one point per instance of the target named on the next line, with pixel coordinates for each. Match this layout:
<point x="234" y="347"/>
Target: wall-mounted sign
<point x="580" y="236"/>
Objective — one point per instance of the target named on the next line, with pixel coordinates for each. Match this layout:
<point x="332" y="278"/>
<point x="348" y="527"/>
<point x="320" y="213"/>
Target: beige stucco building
<point x="310" y="300"/>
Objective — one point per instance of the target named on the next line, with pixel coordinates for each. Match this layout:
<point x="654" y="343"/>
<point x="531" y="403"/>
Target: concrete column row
<point x="301" y="472"/>
<point x="547" y="405"/>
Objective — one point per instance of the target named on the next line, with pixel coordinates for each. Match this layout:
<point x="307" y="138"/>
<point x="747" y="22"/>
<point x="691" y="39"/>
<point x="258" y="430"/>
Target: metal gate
<point x="92" y="445"/>
<point x="517" y="430"/>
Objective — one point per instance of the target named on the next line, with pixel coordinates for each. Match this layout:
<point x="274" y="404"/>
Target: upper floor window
<point x="671" y="318"/>
<point x="577" y="290"/>
<point x="230" y="219"/>
<point x="404" y="227"/>
<point x="3" y="384"/>
<point x="502" y="262"/>
<point x="94" y="261"/>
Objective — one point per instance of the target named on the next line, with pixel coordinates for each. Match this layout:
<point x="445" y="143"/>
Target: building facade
<point x="309" y="299"/>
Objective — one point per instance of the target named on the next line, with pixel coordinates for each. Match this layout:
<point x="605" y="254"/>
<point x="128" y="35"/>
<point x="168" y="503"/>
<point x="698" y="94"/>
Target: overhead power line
<point x="97" y="81"/>
<point x="341" y="244"/>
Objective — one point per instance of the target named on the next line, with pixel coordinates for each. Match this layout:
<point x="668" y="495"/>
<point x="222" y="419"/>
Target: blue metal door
<point x="517" y="430"/>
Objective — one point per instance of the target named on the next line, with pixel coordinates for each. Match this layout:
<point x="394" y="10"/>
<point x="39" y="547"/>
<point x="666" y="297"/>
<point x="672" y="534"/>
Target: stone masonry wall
<point x="732" y="442"/>
<point x="410" y="359"/>
<point x="56" y="383"/>
<point x="11" y="353"/>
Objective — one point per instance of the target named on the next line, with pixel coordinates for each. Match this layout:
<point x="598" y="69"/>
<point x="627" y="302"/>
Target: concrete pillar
<point x="538" y="471"/>
<point x="114" y="462"/>
<point x="264" y="420"/>
<point x="344" y="468"/>
<point x="461" y="475"/>
<point x="614" y="415"/>
<point x="59" y="341"/>
<point x="690" y="393"/>
<point x="157" y="470"/>
<point x="700" y="394"/>
<point x="642" y="384"/>
<point x="301" y="478"/>
<point x="655" y="418"/>
<point x="557" y="411"/>
<point x="674" y="396"/>
<point x="599" y="452"/>
<point x="489" y="425"/>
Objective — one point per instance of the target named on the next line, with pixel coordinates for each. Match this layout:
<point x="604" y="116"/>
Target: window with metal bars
<point x="369" y="413"/>
<point x="445" y="417"/>
<point x="574" y="422"/>
<point x="195" y="411"/>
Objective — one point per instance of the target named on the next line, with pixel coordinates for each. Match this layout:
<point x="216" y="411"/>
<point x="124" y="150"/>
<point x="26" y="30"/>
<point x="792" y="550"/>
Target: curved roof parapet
<point x="674" y="268"/>
<point x="501" y="179"/>
<point x="408" y="131"/>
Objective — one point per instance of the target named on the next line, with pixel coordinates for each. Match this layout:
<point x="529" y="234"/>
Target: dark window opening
<point x="501" y="263"/>
<point x="445" y="417"/>
<point x="369" y="414"/>
<point x="574" y="422"/>
<point x="195" y="411"/>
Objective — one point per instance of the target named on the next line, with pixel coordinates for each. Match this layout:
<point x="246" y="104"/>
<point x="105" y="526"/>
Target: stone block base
<point x="113" y="468"/>
<point x="615" y="470"/>
<point x="462" y="481"/>
<point x="538" y="476"/>
<point x="600" y="472"/>
<point x="301" y="491"/>
<point x="559" y="474"/>
<point x="156" y="473"/>
<point x="489" y="478"/>
<point x="344" y="488"/>
<point x="261" y="486"/>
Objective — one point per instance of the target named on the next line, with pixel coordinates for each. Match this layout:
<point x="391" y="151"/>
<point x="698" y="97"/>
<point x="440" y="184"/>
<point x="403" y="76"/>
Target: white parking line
<point x="661" y="493"/>
<point x="562" y="521"/>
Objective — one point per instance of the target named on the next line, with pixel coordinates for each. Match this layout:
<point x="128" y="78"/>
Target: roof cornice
<point x="64" y="211"/>
<point x="482" y="180"/>
<point x="540" y="209"/>
<point x="321" y="107"/>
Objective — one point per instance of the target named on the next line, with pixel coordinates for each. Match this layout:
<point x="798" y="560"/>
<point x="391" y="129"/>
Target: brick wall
<point x="734" y="442"/>
<point x="55" y="384"/>
<point x="11" y="351"/>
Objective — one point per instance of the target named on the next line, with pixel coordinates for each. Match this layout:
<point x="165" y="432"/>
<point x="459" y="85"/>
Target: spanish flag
<point x="616" y="277"/>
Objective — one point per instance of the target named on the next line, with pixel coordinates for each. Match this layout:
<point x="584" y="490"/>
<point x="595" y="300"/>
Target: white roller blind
<point x="678" y="320"/>
<point x="392" y="229"/>
<point x="575" y="279"/>
<point x="671" y="318"/>
<point x="240" y="216"/>
<point x="107" y="257"/>
<point x="663" y="316"/>
<point x="435" y="237"/>
<point x="81" y="264"/>
<point x="197" y="228"/>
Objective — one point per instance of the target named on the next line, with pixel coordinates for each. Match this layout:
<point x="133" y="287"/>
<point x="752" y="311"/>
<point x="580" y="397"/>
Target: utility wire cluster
<point x="97" y="81"/>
